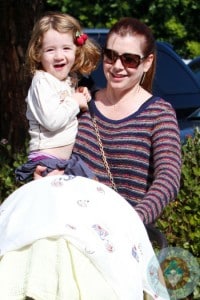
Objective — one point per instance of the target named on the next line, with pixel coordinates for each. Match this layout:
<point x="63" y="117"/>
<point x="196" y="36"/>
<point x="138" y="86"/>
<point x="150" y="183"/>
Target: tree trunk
<point x="16" y="22"/>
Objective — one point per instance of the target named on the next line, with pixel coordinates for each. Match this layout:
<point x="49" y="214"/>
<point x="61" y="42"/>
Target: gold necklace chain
<point x="103" y="154"/>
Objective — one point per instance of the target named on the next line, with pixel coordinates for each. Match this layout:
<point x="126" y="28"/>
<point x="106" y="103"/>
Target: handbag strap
<point x="103" y="155"/>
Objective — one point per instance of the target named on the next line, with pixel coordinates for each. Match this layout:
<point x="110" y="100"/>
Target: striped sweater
<point x="143" y="152"/>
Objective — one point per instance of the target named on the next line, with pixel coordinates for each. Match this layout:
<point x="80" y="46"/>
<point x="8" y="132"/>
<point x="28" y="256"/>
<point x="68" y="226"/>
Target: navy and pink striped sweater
<point x="143" y="152"/>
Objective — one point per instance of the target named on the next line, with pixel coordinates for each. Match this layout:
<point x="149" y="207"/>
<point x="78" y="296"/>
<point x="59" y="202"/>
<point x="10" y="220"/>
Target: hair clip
<point x="81" y="38"/>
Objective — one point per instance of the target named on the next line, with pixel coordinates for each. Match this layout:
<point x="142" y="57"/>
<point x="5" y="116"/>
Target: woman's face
<point x="118" y="74"/>
<point x="57" y="53"/>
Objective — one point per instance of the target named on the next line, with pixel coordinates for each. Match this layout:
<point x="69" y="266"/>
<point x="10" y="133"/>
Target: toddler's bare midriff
<point x="63" y="152"/>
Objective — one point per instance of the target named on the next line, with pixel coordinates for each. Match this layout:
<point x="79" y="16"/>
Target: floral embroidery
<point x="135" y="253"/>
<point x="61" y="180"/>
<point x="83" y="203"/>
<point x="100" y="189"/>
<point x="109" y="246"/>
<point x="70" y="226"/>
<point x="140" y="249"/>
<point x="101" y="231"/>
<point x="103" y="234"/>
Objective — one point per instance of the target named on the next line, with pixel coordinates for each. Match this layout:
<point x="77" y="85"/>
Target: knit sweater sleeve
<point x="166" y="150"/>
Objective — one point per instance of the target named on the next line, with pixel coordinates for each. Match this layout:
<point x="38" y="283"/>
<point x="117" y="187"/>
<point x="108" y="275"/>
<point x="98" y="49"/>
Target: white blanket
<point x="91" y="217"/>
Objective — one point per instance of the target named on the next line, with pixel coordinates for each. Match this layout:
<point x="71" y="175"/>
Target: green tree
<point x="16" y="22"/>
<point x="101" y="14"/>
<point x="174" y="21"/>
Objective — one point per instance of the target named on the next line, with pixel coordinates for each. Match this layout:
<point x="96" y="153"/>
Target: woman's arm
<point x="166" y="149"/>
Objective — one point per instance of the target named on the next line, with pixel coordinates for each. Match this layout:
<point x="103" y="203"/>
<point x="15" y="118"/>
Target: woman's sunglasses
<point x="128" y="60"/>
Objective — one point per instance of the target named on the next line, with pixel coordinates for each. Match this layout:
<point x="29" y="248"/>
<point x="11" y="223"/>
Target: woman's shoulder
<point x="156" y="109"/>
<point x="158" y="103"/>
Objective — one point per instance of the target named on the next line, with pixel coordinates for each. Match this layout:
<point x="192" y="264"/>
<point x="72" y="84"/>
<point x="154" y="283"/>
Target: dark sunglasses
<point x="128" y="60"/>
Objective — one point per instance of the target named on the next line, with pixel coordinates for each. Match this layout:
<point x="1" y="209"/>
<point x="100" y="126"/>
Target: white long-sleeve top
<point x="51" y="112"/>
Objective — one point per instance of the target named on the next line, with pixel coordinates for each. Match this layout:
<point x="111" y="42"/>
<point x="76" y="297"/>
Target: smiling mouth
<point x="118" y="75"/>
<point x="57" y="66"/>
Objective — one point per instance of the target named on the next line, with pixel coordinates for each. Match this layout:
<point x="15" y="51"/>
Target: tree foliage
<point x="16" y="23"/>
<point x="174" y="21"/>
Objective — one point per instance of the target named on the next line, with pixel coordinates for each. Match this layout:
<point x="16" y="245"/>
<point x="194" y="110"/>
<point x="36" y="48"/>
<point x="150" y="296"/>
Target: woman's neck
<point x="114" y="96"/>
<point x="117" y="105"/>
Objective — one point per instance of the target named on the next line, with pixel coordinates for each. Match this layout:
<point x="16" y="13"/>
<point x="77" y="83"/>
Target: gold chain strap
<point x="103" y="154"/>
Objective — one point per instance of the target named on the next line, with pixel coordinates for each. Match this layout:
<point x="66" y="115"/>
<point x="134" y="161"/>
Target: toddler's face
<point x="58" y="53"/>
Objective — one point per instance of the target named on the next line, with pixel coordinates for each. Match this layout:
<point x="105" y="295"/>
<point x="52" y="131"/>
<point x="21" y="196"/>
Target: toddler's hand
<point x="84" y="90"/>
<point x="82" y="96"/>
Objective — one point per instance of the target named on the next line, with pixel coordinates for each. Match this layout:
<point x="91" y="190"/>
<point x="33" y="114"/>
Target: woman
<point x="138" y="132"/>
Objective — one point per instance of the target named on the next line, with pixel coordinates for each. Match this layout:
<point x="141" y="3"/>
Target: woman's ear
<point x="148" y="62"/>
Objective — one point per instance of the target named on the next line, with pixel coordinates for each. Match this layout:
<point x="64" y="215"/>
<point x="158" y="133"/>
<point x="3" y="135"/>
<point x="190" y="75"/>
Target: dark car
<point x="194" y="65"/>
<point x="188" y="125"/>
<point x="174" y="80"/>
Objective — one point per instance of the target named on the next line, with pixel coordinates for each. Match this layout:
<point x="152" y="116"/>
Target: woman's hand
<point x="40" y="169"/>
